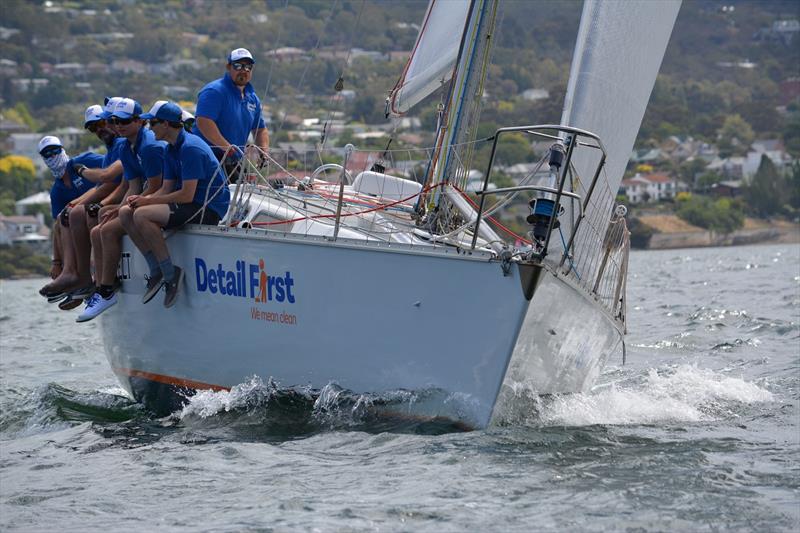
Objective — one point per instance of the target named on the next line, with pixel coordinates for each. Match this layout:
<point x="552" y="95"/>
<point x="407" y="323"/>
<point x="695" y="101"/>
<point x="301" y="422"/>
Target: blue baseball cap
<point x="127" y="108"/>
<point x="169" y="111"/>
<point x="93" y="113"/>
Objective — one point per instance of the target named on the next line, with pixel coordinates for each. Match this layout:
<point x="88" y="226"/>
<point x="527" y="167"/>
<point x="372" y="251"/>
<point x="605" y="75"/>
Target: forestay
<point x="434" y="55"/>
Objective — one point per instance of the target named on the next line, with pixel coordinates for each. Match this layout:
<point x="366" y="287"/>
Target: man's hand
<point x="111" y="214"/>
<point x="63" y="217"/>
<point x="137" y="200"/>
<point x="78" y="168"/>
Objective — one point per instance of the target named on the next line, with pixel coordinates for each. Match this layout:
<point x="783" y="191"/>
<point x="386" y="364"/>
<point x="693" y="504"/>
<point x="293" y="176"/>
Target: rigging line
<point x="308" y="63"/>
<point x="272" y="63"/>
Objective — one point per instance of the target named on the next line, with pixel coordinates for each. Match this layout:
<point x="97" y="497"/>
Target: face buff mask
<point x="57" y="164"/>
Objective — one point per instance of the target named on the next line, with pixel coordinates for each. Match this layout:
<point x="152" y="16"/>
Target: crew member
<point x="228" y="110"/>
<point x="194" y="192"/>
<point x="142" y="159"/>
<point x="67" y="188"/>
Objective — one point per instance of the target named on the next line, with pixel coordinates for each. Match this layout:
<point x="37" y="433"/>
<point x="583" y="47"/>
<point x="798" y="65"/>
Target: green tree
<point x="768" y="191"/>
<point x="17" y="175"/>
<point x="734" y="136"/>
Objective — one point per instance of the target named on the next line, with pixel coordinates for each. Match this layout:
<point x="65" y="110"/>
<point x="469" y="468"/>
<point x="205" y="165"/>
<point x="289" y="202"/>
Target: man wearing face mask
<point x="68" y="187"/>
<point x="228" y="110"/>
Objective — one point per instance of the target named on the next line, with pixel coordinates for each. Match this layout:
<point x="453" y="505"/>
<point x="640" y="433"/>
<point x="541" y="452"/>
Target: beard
<point x="106" y="135"/>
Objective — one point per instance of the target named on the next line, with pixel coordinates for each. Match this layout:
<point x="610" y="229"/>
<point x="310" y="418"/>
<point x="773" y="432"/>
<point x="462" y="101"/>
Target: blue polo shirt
<point x="190" y="158"/>
<point x="145" y="159"/>
<point x="60" y="195"/>
<point x="235" y="114"/>
<point x="113" y="153"/>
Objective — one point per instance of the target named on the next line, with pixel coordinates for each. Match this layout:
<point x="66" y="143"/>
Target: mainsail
<point x="433" y="58"/>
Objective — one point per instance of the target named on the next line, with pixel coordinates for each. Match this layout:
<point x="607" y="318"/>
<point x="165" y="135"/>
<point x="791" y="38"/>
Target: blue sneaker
<point x="96" y="305"/>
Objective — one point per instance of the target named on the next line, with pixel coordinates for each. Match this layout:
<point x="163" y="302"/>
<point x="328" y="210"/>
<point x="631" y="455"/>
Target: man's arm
<point x="99" y="193"/>
<point x="103" y="175"/>
<point x="153" y="185"/>
<point x="212" y="134"/>
<point x="116" y="196"/>
<point x="184" y="195"/>
<point x="261" y="136"/>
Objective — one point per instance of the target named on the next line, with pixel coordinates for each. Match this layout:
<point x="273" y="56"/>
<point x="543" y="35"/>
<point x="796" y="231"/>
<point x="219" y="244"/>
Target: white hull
<point x="372" y="318"/>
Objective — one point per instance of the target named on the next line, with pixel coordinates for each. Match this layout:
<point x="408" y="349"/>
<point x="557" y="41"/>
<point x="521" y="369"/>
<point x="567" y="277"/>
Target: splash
<point x="681" y="394"/>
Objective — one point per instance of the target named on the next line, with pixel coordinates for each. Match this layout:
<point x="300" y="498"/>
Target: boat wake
<point x="684" y="393"/>
<point x="259" y="409"/>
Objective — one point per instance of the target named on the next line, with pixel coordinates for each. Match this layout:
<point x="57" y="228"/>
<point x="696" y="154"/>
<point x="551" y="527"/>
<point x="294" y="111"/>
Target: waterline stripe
<point x="168" y="380"/>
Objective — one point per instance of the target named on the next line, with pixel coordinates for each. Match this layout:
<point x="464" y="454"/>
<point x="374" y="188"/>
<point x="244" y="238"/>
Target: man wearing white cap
<point x="68" y="187"/>
<point x="228" y="110"/>
<point x="108" y="191"/>
<point x="201" y="197"/>
<point x="142" y="159"/>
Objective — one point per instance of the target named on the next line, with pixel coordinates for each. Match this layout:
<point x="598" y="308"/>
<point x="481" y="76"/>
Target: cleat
<point x="154" y="285"/>
<point x="96" y="305"/>
<point x="172" y="288"/>
<point x="70" y="303"/>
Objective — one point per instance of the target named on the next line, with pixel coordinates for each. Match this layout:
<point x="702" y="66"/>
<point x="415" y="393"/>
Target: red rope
<point x="492" y="219"/>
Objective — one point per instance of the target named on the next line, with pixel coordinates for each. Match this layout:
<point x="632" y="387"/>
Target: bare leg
<point x="149" y="220"/>
<point x="56" y="266"/>
<point x="69" y="274"/>
<point x="127" y="219"/>
<point x="79" y="229"/>
<point x="111" y="233"/>
<point x="97" y="251"/>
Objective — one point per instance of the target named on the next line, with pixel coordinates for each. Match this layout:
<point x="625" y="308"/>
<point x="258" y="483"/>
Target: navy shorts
<point x="180" y="214"/>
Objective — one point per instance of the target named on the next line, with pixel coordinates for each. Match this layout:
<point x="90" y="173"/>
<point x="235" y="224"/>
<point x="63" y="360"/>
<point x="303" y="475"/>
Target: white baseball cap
<point x="93" y="114"/>
<point x="111" y="103"/>
<point x="127" y="108"/>
<point x="186" y="116"/>
<point x="49" y="140"/>
<point x="239" y="54"/>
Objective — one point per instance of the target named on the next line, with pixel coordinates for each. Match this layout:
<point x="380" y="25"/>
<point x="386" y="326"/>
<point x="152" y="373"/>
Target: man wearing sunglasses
<point x="108" y="191"/>
<point x="228" y="111"/>
<point x="142" y="159"/>
<point x="68" y="187"/>
<point x="194" y="192"/>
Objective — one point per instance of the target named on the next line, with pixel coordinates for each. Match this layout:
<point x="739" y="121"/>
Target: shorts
<point x="180" y="214"/>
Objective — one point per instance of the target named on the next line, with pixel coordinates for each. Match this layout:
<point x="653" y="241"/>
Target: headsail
<point x="617" y="56"/>
<point x="434" y="56"/>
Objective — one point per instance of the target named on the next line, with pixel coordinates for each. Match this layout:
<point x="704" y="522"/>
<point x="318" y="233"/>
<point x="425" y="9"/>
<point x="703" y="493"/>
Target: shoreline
<point x="754" y="232"/>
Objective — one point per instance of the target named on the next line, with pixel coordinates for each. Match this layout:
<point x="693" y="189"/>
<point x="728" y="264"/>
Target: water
<point x="700" y="431"/>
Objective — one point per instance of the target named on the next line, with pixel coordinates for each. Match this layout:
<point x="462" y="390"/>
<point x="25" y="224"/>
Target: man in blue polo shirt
<point x="142" y="159"/>
<point x="68" y="187"/>
<point x="108" y="191"/>
<point x="228" y="110"/>
<point x="194" y="192"/>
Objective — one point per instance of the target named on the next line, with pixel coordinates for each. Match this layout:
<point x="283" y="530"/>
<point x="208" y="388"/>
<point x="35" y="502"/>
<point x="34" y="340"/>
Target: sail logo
<point x="244" y="280"/>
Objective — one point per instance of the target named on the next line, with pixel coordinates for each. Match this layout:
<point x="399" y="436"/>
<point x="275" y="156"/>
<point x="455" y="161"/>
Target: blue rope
<point x="571" y="264"/>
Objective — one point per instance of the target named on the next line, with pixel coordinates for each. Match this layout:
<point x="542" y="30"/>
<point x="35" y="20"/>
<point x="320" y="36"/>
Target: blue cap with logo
<point x="127" y="108"/>
<point x="110" y="104"/>
<point x="169" y="111"/>
<point x="93" y="114"/>
<point x="240" y="53"/>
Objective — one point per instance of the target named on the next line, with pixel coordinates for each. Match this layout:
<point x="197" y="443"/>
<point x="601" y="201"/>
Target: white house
<point x="649" y="188"/>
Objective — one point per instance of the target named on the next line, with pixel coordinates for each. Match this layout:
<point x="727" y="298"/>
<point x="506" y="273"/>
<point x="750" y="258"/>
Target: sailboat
<point x="380" y="284"/>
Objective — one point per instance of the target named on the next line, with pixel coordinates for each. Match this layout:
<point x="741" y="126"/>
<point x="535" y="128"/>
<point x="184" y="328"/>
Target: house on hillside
<point x="24" y="229"/>
<point x="649" y="188"/>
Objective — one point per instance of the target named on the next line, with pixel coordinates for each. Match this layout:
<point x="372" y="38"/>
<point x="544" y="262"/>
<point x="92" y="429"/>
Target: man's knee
<point x="146" y="216"/>
<point x="126" y="215"/>
<point x="77" y="216"/>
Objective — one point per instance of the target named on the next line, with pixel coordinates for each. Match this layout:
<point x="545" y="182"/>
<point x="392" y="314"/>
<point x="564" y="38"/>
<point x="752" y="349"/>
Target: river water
<point x="699" y="431"/>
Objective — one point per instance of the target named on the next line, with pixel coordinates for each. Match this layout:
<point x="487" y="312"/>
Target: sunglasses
<point x="94" y="126"/>
<point x="247" y="67"/>
<point x="155" y="122"/>
<point x="121" y="121"/>
<point x="50" y="151"/>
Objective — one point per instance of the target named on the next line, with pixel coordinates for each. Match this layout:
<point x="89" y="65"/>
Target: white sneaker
<point x="96" y="305"/>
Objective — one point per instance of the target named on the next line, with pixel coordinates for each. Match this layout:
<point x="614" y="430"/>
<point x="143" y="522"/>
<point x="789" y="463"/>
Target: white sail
<point x="617" y="56"/>
<point x="432" y="61"/>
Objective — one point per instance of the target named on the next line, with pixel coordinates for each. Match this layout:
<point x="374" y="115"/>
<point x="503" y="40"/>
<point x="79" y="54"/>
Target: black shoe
<point x="57" y="297"/>
<point x="154" y="285"/>
<point x="70" y="303"/>
<point x="172" y="287"/>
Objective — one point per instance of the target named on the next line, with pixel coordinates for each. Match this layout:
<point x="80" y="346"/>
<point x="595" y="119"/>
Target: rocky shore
<point x="669" y="231"/>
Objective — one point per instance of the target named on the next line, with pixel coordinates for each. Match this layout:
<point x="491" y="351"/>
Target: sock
<point x="167" y="269"/>
<point x="106" y="291"/>
<point x="152" y="262"/>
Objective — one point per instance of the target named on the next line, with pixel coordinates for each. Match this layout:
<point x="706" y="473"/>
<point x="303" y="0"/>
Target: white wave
<point x="686" y="393"/>
<point x="207" y="403"/>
